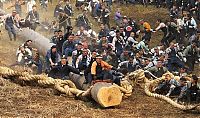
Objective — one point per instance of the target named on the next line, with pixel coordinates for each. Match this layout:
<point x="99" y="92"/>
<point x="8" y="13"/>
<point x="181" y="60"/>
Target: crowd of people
<point x="120" y="49"/>
<point x="114" y="51"/>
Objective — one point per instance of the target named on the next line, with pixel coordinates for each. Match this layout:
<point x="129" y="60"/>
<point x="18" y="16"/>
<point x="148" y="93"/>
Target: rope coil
<point x="69" y="88"/>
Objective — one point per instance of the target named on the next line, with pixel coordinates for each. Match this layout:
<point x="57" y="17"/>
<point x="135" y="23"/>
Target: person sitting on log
<point x="87" y="72"/>
<point x="62" y="70"/>
<point x="100" y="70"/>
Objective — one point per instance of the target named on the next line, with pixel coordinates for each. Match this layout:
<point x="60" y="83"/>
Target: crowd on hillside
<point x="114" y="51"/>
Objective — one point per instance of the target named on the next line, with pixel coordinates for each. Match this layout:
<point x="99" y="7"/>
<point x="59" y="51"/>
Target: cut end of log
<point x="106" y="94"/>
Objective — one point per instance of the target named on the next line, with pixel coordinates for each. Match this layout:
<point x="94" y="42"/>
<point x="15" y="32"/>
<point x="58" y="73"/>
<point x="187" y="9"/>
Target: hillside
<point x="20" y="100"/>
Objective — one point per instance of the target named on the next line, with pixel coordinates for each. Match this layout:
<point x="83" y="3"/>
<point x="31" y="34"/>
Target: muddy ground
<point x="17" y="100"/>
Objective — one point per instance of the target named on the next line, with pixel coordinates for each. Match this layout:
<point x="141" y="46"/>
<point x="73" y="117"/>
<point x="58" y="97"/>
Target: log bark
<point x="78" y="81"/>
<point x="106" y="94"/>
<point x="39" y="41"/>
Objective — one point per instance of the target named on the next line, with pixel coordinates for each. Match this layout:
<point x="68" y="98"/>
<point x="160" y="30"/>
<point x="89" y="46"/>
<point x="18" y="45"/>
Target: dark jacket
<point x="61" y="71"/>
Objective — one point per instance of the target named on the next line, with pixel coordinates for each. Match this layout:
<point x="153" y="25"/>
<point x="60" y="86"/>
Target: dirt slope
<point x="34" y="101"/>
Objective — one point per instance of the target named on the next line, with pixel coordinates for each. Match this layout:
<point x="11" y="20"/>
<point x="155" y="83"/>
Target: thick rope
<point x="149" y="84"/>
<point x="64" y="86"/>
<point x="69" y="88"/>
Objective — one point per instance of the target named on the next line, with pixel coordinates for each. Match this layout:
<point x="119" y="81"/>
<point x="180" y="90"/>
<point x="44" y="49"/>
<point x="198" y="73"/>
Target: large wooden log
<point x="39" y="41"/>
<point x="106" y="94"/>
<point x="103" y="93"/>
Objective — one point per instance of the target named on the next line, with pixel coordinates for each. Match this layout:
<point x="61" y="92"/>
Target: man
<point x="79" y="4"/>
<point x="100" y="69"/>
<point x="105" y="16"/>
<point x="118" y="17"/>
<point x="28" y="44"/>
<point x="76" y="53"/>
<point x="33" y="17"/>
<point x="181" y="28"/>
<point x="158" y="70"/>
<point x="192" y="26"/>
<point x="58" y="9"/>
<point x="174" y="12"/>
<point x="191" y="90"/>
<point x="156" y="52"/>
<point x="174" y="63"/>
<point x="163" y="28"/>
<point x="62" y="21"/>
<point x="147" y="30"/>
<point x="68" y="46"/>
<point x="30" y="5"/>
<point x="68" y="10"/>
<point x="37" y="62"/>
<point x="103" y="31"/>
<point x="131" y="40"/>
<point x="168" y="84"/>
<point x="103" y="44"/>
<point x="82" y="20"/>
<point x="54" y="38"/>
<point x="87" y="72"/>
<point x="82" y="33"/>
<point x="172" y="32"/>
<point x="83" y="60"/>
<point x="118" y="43"/>
<point x="62" y="70"/>
<point x="59" y="42"/>
<point x="24" y="56"/>
<point x="125" y="55"/>
<point x="10" y="20"/>
<point x="130" y="64"/>
<point x="182" y="72"/>
<point x="52" y="58"/>
<point x="197" y="9"/>
<point x="191" y="54"/>
<point x="69" y="32"/>
<point x="111" y="57"/>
